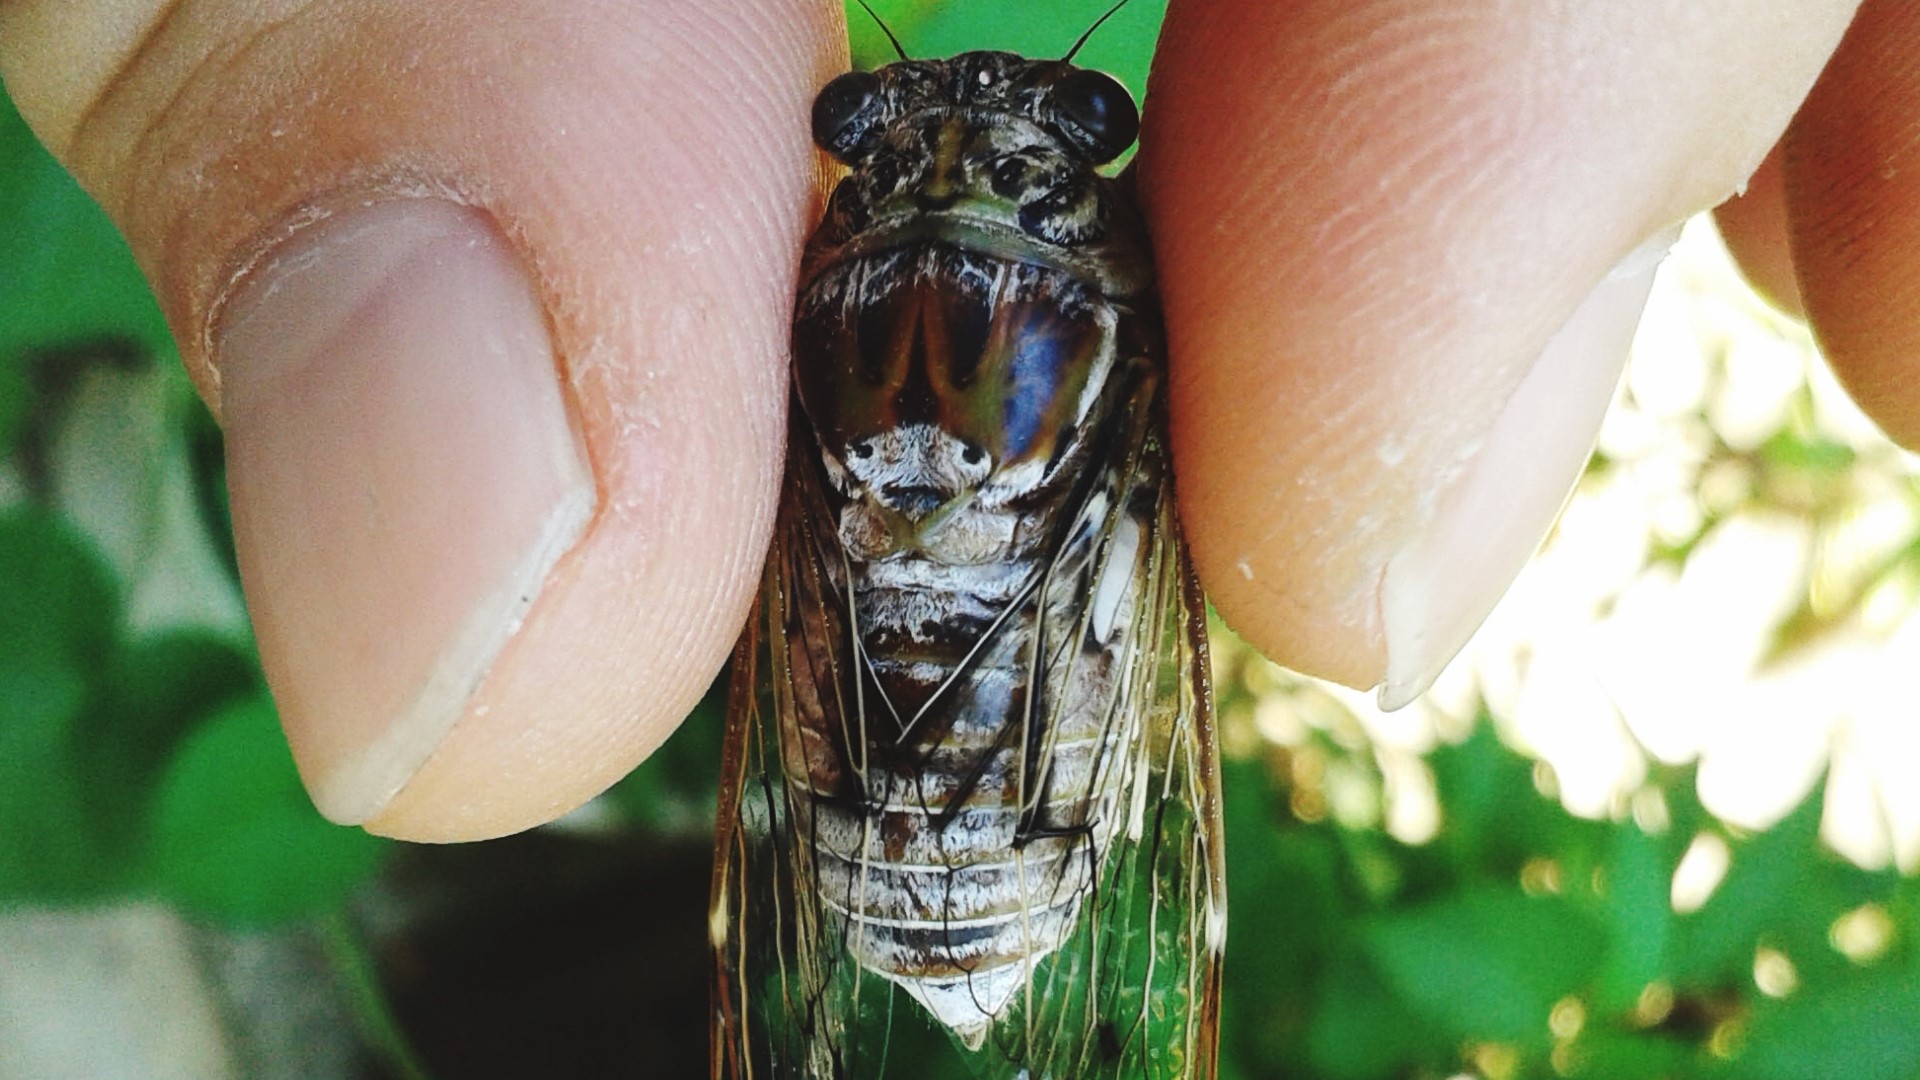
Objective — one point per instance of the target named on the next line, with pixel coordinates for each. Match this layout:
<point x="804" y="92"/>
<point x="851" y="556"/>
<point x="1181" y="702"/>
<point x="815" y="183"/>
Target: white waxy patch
<point x="968" y="1004"/>
<point x="972" y="537"/>
<point x="900" y="896"/>
<point x="983" y="581"/>
<point x="917" y="455"/>
<point x="912" y="611"/>
<point x="836" y="472"/>
<point x="717" y="924"/>
<point x="1102" y="364"/>
<point x="1116" y="577"/>
<point x="864" y="532"/>
<point x="1137" y="790"/>
<point x="1012" y="482"/>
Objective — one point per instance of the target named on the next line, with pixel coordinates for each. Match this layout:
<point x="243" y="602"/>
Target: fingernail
<point x="404" y="473"/>
<point x="1492" y="515"/>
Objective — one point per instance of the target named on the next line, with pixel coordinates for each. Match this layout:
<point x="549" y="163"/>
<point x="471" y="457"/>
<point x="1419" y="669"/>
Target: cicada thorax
<point x="973" y="348"/>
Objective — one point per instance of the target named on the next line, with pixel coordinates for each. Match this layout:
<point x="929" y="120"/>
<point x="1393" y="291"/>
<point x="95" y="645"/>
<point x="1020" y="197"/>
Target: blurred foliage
<point x="139" y="756"/>
<point x="1523" y="941"/>
<point x="1122" y="47"/>
<point x="65" y="274"/>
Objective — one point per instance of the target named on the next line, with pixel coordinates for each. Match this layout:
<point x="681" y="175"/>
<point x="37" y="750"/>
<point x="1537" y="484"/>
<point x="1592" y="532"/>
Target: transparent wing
<point x="773" y="1010"/>
<point x="1132" y="990"/>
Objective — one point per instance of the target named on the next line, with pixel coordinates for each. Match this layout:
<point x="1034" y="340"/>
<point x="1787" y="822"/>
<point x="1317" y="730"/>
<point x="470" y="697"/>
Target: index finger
<point x="1403" y="245"/>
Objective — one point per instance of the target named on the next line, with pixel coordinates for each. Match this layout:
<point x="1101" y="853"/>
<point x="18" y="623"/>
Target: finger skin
<point x="649" y="161"/>
<point x="1852" y="167"/>
<point x="1754" y="226"/>
<point x="1371" y="217"/>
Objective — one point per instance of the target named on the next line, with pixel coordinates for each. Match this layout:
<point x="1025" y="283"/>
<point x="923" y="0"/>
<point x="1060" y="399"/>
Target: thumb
<point x="491" y="301"/>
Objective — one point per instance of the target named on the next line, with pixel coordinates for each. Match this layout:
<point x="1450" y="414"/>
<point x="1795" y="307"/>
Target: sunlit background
<point x="1656" y="821"/>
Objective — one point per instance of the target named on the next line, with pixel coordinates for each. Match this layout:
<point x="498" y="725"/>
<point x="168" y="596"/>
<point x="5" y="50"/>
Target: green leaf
<point x="58" y="619"/>
<point x="1639" y="917"/>
<point x="49" y="851"/>
<point x="152" y="694"/>
<point x="1687" y="816"/>
<point x="58" y="606"/>
<point x="1867" y="1029"/>
<point x="1230" y="1067"/>
<point x="1273" y="956"/>
<point x="1492" y="818"/>
<point x="1486" y="963"/>
<point x="1285" y="937"/>
<point x="1790" y="449"/>
<point x="234" y="837"/>
<point x="1122" y="47"/>
<point x="871" y="49"/>
<point x="65" y="272"/>
<point x="15" y="400"/>
<point x="1363" y="1030"/>
<point x="1607" y="1055"/>
<point x="1780" y="883"/>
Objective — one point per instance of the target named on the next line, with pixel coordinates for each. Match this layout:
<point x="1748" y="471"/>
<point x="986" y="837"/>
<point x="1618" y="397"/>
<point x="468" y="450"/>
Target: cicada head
<point x="981" y="138"/>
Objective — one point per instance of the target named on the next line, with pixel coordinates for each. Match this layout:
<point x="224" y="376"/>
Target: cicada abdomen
<point x="968" y="822"/>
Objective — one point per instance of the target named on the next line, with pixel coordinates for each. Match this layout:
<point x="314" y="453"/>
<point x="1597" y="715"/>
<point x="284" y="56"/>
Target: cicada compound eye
<point x="840" y="112"/>
<point x="1103" y="114"/>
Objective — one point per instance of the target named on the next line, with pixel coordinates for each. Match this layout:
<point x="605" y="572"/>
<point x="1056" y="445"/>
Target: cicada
<point x="969" y="822"/>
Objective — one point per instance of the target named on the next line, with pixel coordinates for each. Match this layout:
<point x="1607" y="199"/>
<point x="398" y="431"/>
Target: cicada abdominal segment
<point x="969" y="823"/>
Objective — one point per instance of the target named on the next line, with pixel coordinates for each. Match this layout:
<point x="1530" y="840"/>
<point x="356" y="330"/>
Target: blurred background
<point x="1658" y="821"/>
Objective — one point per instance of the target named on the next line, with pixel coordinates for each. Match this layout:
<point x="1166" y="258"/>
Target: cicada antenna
<point x="882" y="24"/>
<point x="1068" y="59"/>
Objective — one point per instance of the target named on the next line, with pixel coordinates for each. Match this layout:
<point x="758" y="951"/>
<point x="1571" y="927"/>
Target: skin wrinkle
<point x="87" y="168"/>
<point x="1366" y="39"/>
<point x="127" y="81"/>
<point x="701" y="318"/>
<point x="1496" y="131"/>
<point x="1341" y="441"/>
<point x="1849" y="227"/>
<point x="133" y="59"/>
<point x="1398" y="182"/>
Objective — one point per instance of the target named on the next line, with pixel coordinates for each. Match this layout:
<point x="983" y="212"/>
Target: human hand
<point x="491" y="302"/>
<point x="490" y="299"/>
